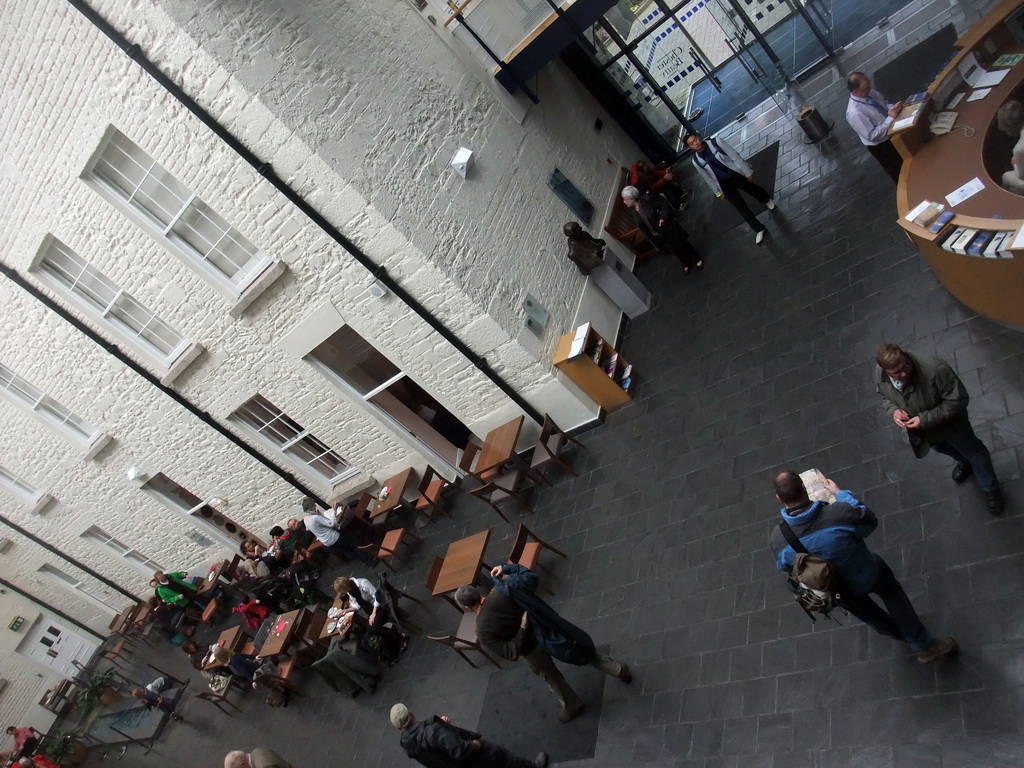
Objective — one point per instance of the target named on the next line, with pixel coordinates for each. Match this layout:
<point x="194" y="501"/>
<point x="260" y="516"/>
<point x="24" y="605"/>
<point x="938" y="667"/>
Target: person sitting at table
<point x="254" y="613"/>
<point x="302" y="540"/>
<point x="26" y="740"/>
<point x="262" y="560"/>
<point x="37" y="761"/>
<point x="151" y="696"/>
<point x="175" y="588"/>
<point x="333" y="533"/>
<point x="254" y="669"/>
<point x="362" y="595"/>
<point x="1010" y="119"/>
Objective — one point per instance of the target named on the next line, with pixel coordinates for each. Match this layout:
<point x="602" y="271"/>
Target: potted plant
<point x="63" y="747"/>
<point x="98" y="689"/>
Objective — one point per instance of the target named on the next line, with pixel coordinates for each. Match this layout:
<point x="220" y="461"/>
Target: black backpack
<point x="813" y="580"/>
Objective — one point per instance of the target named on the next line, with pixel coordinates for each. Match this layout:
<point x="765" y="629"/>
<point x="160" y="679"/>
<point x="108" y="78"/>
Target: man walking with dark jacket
<point x="514" y="623"/>
<point x="836" y="532"/>
<point x="437" y="743"/>
<point x="923" y="396"/>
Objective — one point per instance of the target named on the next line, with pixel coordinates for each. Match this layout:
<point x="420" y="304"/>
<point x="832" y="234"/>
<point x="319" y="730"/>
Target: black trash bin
<point x="814" y="125"/>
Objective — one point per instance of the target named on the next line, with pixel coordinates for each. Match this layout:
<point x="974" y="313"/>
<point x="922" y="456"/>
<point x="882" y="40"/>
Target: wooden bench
<point x="623" y="228"/>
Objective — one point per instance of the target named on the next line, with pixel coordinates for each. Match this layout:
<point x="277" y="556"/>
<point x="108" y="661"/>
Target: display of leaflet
<point x="972" y="187"/>
<point x="961" y="243"/>
<point x="977" y="246"/>
<point x="976" y="75"/>
<point x="944" y="218"/>
<point x="1008" y="60"/>
<point x="979" y="94"/>
<point x="991" y="250"/>
<point x="1018" y="241"/>
<point x="952" y="237"/>
<point x="925" y="213"/>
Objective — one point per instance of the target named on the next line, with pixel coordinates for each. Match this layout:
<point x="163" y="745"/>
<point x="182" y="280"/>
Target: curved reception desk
<point x="985" y="272"/>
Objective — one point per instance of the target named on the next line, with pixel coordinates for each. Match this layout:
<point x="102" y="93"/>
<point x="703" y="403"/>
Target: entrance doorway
<point x="56" y="647"/>
<point x="349" y="360"/>
<point x="703" y="64"/>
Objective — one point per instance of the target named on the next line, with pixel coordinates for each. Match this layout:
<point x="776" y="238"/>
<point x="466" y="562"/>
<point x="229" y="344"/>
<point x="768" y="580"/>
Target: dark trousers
<point x="348" y="551"/>
<point x="967" y="448"/>
<point x="731" y="189"/>
<point x="899" y="619"/>
<point x="492" y="755"/>
<point x="889" y="157"/>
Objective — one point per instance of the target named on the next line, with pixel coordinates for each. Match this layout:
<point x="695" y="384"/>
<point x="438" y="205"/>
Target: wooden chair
<point x="430" y="489"/>
<point x="212" y="612"/>
<point x="622" y="226"/>
<point x="282" y="681"/>
<point x="501" y="488"/>
<point x="548" y="450"/>
<point x="119" y="651"/>
<point x="389" y="545"/>
<point x="527" y="546"/>
<point x="526" y="549"/>
<point x="467" y="457"/>
<point x="218" y="698"/>
<point x="464" y="640"/>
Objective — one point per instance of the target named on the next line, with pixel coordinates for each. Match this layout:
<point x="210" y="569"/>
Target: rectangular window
<point x="18" y="391"/>
<point x="72" y="275"/>
<point x="92" y="594"/>
<point x="23" y="490"/>
<point x="105" y="541"/>
<point x="292" y="440"/>
<point x="173" y="212"/>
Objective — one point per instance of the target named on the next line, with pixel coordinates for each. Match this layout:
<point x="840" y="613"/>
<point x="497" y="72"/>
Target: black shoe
<point x="961" y="472"/>
<point x="541" y="760"/>
<point x="996" y="503"/>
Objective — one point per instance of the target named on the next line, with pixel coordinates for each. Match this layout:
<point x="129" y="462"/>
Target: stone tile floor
<point x="760" y="362"/>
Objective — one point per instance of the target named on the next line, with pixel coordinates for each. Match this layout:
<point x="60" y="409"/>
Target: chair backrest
<point x="468" y="457"/>
<point x="434" y="572"/>
<point x="519" y="543"/>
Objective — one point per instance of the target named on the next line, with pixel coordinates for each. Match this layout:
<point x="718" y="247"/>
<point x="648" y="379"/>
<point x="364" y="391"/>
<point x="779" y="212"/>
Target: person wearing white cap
<point x="437" y="743"/>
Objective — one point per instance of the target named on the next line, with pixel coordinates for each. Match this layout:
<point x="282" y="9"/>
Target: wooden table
<point x="213" y="577"/>
<point x="462" y="562"/>
<point x="499" y="446"/>
<point x="339" y="602"/>
<point x="231" y="640"/>
<point x="397" y="484"/>
<point x="279" y="640"/>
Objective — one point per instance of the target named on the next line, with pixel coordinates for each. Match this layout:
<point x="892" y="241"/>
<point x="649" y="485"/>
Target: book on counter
<point x="925" y="213"/>
<point x="944" y="218"/>
<point x="998" y="246"/>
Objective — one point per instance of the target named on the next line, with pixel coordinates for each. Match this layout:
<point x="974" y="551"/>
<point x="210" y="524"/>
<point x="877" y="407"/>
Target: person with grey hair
<point x="654" y="215"/>
<point x="1010" y="119"/>
<point x="870" y="116"/>
<point x="258" y="758"/>
<point x="514" y="623"/>
<point x="437" y="743"/>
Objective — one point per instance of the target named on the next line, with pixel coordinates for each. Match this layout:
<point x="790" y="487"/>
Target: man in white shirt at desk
<point x="870" y="116"/>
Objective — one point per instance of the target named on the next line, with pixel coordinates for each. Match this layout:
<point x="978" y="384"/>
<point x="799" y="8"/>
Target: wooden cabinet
<point x="596" y="367"/>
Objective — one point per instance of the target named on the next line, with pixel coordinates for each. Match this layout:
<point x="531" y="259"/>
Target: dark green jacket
<point x="935" y="394"/>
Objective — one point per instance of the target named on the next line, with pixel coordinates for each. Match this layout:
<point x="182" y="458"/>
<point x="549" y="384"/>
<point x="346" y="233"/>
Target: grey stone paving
<point x="760" y="362"/>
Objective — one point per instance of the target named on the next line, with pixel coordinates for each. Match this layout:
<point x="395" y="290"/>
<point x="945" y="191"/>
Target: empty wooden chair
<point x="390" y="544"/>
<point x="119" y="651"/>
<point x="500" y="489"/>
<point x="464" y="640"/>
<point x="527" y="546"/>
<point x="218" y="698"/>
<point x="549" y="448"/>
<point x="467" y="458"/>
<point x="430" y="489"/>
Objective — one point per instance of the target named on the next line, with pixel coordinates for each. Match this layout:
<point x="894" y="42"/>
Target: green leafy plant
<point x="59" y="746"/>
<point x="92" y="690"/>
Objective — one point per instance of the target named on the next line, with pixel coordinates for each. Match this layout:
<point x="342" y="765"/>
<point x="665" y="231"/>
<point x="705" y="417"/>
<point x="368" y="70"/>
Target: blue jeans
<point x="899" y="619"/>
<point x="967" y="448"/>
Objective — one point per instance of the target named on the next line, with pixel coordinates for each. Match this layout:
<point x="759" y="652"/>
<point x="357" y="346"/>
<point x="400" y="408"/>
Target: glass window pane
<point x="310" y="451"/>
<point x="157" y="197"/>
<point x="350" y="356"/>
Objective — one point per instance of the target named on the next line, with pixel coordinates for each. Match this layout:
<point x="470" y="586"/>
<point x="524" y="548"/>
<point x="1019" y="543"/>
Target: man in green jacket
<point x="174" y="588"/>
<point x="924" y="396"/>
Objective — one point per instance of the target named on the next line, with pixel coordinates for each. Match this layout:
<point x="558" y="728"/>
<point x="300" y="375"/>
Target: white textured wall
<point x="361" y="114"/>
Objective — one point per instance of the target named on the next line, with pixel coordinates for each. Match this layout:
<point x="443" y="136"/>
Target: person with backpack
<point x="835" y="533"/>
<point x="727" y="173"/>
<point x="514" y="623"/>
